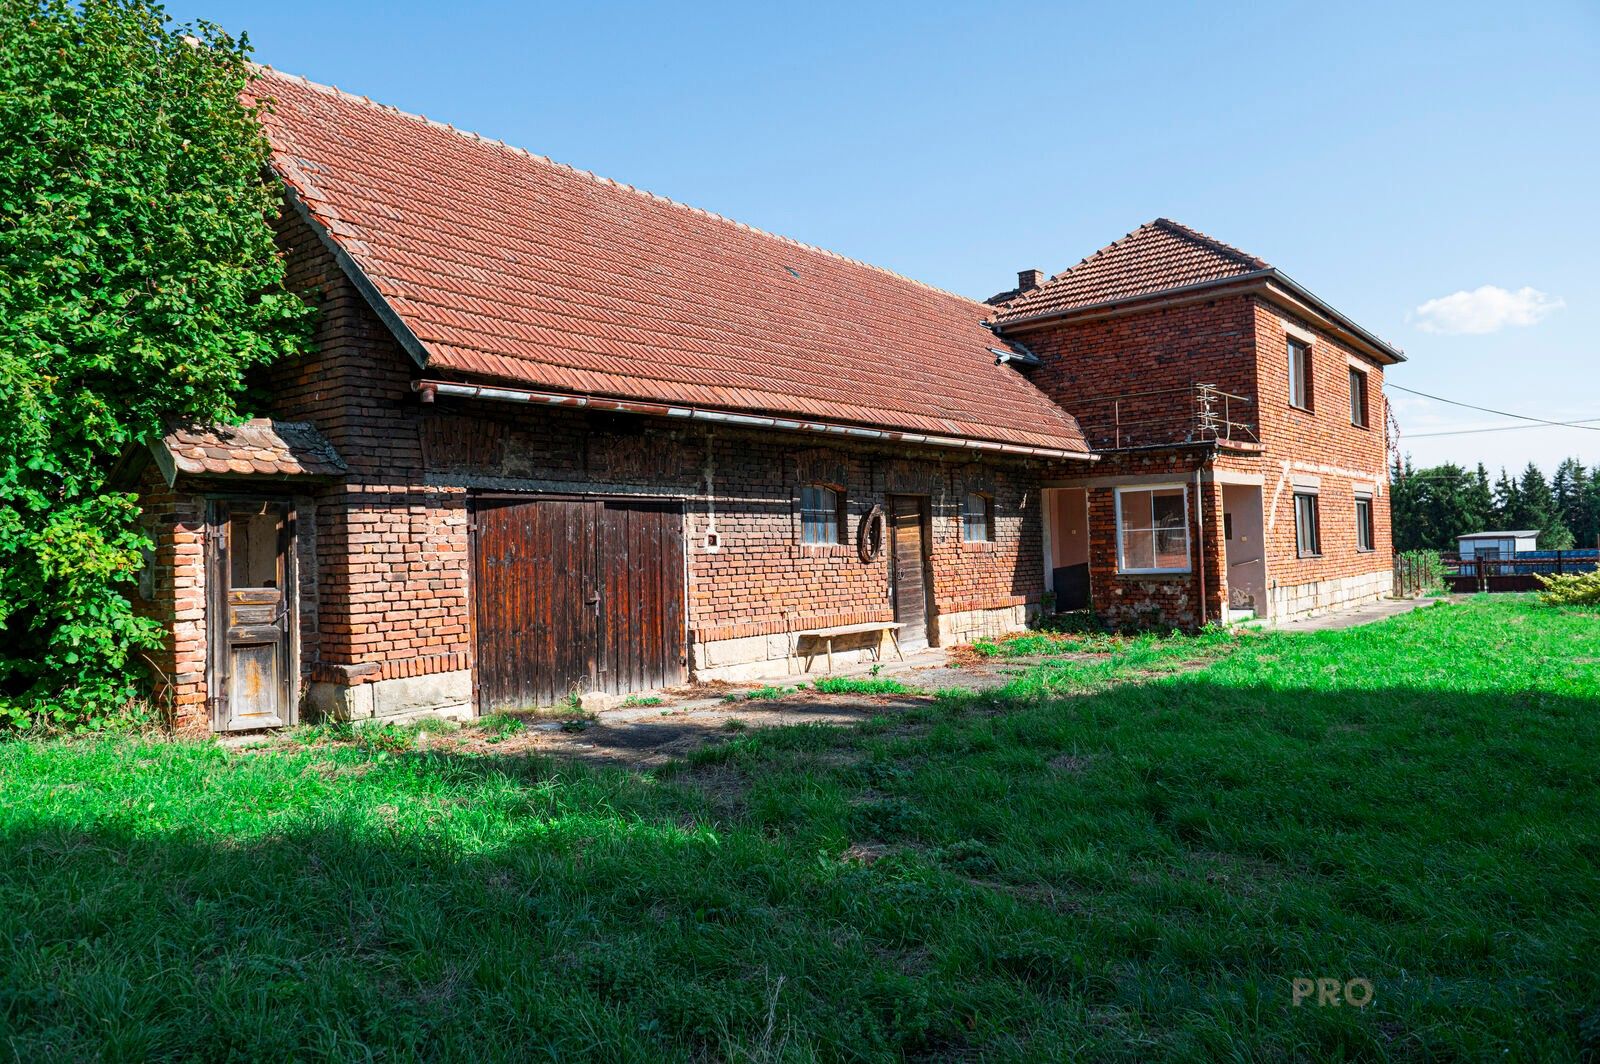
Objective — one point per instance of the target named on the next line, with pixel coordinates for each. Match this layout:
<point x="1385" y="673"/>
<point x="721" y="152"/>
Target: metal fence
<point x="1519" y="572"/>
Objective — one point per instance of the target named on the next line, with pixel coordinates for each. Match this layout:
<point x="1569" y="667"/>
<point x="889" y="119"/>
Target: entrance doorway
<point x="574" y="595"/>
<point x="1245" y="551"/>
<point x="1067" y="546"/>
<point x="908" y="568"/>
<point x="251" y="613"/>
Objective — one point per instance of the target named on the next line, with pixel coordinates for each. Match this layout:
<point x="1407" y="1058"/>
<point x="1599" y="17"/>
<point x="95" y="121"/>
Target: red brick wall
<point x="1105" y="371"/>
<point x="175" y="521"/>
<point x="1321" y="443"/>
<point x="392" y="579"/>
<point x="763" y="580"/>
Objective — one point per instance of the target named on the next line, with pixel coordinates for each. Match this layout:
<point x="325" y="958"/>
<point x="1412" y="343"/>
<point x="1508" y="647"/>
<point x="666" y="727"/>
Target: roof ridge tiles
<point x="1220" y="245"/>
<point x="266" y="70"/>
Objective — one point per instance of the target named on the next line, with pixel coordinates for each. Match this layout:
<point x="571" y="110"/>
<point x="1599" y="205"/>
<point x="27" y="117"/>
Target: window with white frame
<point x="1307" y="525"/>
<point x="1299" y="374"/>
<point x="977" y="518"/>
<point x="1153" y="529"/>
<point x="1364" y="523"/>
<point x="821" y="507"/>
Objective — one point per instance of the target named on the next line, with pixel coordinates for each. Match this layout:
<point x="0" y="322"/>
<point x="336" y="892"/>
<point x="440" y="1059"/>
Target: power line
<point x="1581" y="424"/>
<point x="1491" y="410"/>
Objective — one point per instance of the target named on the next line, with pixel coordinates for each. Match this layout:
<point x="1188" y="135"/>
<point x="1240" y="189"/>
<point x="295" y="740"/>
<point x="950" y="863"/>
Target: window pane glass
<point x="1172" y="548"/>
<point x="1136" y="509"/>
<point x="1305" y="523"/>
<point x="1299" y="371"/>
<point x="253" y="548"/>
<point x="1363" y="524"/>
<point x="1138" y="550"/>
<point x="1167" y="508"/>
<point x="975" y="518"/>
<point x="819" y="514"/>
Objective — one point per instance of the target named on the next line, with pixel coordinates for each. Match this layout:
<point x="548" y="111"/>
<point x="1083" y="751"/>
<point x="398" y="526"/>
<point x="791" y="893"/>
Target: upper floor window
<point x="1364" y="523"/>
<point x="1358" y="398"/>
<point x="821" y="514"/>
<point x="1299" y="374"/>
<point x="1153" y="530"/>
<point x="1307" y="526"/>
<point x="977" y="518"/>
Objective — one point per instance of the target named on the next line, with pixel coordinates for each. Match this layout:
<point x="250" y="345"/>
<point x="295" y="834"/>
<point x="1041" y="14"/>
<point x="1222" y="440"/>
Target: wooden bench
<point x="827" y="635"/>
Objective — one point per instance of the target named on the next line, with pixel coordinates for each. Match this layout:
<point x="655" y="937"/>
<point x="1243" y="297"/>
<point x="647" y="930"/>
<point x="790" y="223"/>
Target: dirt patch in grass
<point x="866" y="851"/>
<point x="1070" y="764"/>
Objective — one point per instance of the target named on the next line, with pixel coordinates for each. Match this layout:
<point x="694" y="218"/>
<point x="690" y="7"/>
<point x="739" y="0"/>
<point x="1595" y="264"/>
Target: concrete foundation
<point x="957" y="628"/>
<point x="442" y="694"/>
<point x="765" y="657"/>
<point x="1321" y="596"/>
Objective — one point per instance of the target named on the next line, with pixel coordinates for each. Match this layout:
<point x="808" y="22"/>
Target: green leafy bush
<point x="1423" y="570"/>
<point x="138" y="280"/>
<point x="1571" y="589"/>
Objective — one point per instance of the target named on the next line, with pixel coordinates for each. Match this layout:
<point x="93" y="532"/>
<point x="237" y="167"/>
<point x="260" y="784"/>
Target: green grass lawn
<point x="1129" y="856"/>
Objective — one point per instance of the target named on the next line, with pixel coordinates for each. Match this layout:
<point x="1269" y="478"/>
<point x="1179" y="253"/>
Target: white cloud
<point x="1485" y="310"/>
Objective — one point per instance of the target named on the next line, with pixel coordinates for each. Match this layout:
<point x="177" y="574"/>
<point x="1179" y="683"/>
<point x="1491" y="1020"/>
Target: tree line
<point x="1431" y="507"/>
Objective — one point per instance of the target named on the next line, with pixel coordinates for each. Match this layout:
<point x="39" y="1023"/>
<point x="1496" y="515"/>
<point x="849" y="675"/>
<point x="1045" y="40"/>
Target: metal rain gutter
<point x="429" y="389"/>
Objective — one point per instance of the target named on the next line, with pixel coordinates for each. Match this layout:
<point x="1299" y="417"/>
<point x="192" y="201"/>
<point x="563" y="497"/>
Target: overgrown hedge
<point x="138" y="281"/>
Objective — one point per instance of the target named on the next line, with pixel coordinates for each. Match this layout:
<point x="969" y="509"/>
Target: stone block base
<point x="964" y="627"/>
<point x="440" y="694"/>
<point x="768" y="657"/>
<point x="764" y="657"/>
<point x="1324" y="596"/>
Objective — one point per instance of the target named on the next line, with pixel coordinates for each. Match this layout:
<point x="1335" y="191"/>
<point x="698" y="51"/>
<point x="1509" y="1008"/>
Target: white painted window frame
<point x="1188" y="532"/>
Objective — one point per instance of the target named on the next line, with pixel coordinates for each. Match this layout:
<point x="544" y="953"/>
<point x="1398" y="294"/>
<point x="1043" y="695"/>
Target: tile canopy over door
<point x="908" y="572"/>
<point x="250" y="573"/>
<point x="576" y="594"/>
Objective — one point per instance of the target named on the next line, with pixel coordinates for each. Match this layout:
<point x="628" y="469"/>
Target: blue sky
<point x="1427" y="168"/>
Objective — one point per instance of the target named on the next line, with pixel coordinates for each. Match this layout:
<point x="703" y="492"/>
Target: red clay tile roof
<point x="261" y="448"/>
<point x="1156" y="257"/>
<point x="507" y="266"/>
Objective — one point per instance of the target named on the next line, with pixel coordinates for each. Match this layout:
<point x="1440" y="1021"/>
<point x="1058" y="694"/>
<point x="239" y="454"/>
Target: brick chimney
<point x="1028" y="280"/>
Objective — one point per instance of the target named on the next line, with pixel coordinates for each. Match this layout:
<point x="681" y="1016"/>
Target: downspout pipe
<point x="1200" y="542"/>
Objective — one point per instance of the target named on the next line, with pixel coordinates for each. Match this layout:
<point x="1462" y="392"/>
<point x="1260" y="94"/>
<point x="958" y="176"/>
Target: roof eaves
<point x="1255" y="277"/>
<point x="358" y="276"/>
<point x="1001" y="324"/>
<point x="464" y="390"/>
<point x="1367" y="336"/>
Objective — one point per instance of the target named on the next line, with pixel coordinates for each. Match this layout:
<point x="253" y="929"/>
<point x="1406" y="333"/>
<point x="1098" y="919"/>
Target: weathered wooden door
<point x="576" y="595"/>
<point x="250" y="574"/>
<point x="908" y="569"/>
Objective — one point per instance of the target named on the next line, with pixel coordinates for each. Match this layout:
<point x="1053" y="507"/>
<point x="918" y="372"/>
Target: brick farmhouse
<point x="562" y="435"/>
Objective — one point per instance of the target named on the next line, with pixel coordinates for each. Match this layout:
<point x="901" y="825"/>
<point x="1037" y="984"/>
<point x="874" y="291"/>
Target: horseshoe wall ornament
<point x="869" y="535"/>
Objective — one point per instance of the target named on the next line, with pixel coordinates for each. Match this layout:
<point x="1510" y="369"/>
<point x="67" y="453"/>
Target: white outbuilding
<point x="1497" y="544"/>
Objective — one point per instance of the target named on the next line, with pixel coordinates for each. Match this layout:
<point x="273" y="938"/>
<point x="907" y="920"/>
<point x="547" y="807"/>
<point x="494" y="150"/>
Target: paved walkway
<point x="1350" y="618"/>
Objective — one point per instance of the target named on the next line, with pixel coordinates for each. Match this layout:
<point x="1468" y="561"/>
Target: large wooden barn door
<point x="908" y="574"/>
<point x="576" y="595"/>
<point x="250" y="576"/>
